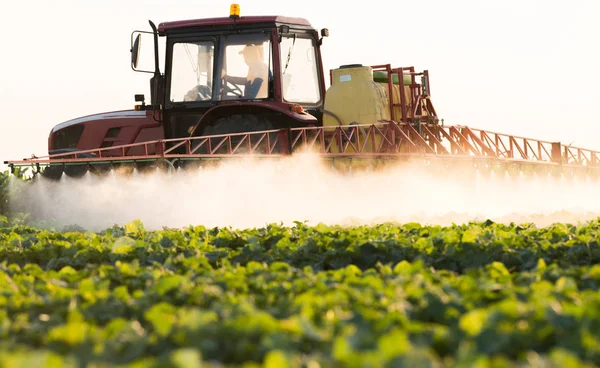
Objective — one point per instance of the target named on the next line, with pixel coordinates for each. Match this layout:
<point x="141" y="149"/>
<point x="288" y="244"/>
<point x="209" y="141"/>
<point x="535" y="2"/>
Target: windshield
<point x="192" y="71"/>
<point x="299" y="70"/>
<point x="247" y="67"/>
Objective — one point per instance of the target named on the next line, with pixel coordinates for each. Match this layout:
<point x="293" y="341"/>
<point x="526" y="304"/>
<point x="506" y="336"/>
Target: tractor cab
<point x="235" y="74"/>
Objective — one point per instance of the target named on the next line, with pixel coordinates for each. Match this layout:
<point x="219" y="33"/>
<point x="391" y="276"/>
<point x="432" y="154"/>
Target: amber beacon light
<point x="234" y="11"/>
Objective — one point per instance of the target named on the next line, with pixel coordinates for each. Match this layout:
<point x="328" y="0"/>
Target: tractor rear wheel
<point x="241" y="123"/>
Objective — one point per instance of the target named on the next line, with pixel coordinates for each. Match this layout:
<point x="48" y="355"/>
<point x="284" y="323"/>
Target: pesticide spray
<point x="253" y="193"/>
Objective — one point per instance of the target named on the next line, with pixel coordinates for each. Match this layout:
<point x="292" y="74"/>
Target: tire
<point x="240" y="124"/>
<point x="52" y="172"/>
<point x="74" y="171"/>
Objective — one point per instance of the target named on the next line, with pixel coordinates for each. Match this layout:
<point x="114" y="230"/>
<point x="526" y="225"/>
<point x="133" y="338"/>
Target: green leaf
<point x="67" y="271"/>
<point x="450" y="237"/>
<point x="541" y="265"/>
<point x="135" y="228"/>
<point x="123" y="245"/>
<point x="565" y="358"/>
<point x="186" y="358"/>
<point x="472" y="322"/>
<point x="341" y="349"/>
<point x="74" y="332"/>
<point x="403" y="267"/>
<point x="121" y="293"/>
<point x="167" y="283"/>
<point x="393" y="344"/>
<point x="424" y="245"/>
<point x="276" y="359"/>
<point x="87" y="289"/>
<point x="498" y="270"/>
<point x="162" y="317"/>
<point x="322" y="228"/>
<point x="564" y="284"/>
<point x="470" y="235"/>
<point x="594" y="272"/>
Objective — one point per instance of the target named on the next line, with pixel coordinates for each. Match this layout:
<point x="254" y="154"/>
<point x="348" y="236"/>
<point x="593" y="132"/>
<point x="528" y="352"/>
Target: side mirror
<point x="135" y="51"/>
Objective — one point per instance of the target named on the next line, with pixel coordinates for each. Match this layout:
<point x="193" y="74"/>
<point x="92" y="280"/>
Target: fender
<point x="301" y="117"/>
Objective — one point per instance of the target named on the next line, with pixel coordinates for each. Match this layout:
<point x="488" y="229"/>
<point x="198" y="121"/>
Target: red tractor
<point x="222" y="75"/>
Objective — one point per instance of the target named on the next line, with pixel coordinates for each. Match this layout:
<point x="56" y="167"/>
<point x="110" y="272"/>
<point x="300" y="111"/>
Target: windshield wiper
<point x="289" y="55"/>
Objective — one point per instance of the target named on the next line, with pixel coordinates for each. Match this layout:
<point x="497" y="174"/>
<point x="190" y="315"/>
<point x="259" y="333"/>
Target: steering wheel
<point x="204" y="92"/>
<point x="198" y="93"/>
<point x="236" y="90"/>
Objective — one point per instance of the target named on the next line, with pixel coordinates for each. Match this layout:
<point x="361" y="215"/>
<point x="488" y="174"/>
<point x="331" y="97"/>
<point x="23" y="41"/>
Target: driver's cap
<point x="247" y="48"/>
<point x="252" y="48"/>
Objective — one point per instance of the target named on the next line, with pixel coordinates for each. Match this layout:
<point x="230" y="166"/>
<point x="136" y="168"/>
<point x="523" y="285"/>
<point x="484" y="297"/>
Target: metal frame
<point x="388" y="139"/>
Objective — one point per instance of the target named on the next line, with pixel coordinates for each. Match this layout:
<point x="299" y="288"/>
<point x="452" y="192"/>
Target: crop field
<point x="389" y="294"/>
<point x="475" y="295"/>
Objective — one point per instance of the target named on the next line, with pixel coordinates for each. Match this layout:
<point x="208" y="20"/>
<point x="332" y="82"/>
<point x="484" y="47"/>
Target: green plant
<point x="479" y="294"/>
<point x="9" y="193"/>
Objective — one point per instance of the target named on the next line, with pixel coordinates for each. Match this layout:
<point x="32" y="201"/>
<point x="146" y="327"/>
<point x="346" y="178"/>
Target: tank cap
<point x="351" y="66"/>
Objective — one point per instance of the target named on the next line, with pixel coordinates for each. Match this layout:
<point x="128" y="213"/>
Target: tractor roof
<point x="224" y="21"/>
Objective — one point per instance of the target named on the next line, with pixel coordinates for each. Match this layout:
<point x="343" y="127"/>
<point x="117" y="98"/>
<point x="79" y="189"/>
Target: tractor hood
<point x="123" y="114"/>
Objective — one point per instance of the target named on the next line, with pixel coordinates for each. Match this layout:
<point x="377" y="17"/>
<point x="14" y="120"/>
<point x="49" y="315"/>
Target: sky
<point x="523" y="67"/>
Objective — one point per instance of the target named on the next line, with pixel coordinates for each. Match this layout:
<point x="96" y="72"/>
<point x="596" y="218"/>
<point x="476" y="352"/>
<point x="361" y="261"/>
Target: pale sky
<point x="524" y="67"/>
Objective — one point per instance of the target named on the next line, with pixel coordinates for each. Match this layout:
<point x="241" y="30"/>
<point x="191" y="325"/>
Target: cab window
<point x="247" y="67"/>
<point x="192" y="71"/>
<point x="300" y="76"/>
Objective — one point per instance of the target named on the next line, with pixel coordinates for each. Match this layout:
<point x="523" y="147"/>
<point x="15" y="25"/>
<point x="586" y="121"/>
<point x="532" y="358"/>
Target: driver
<point x="255" y="82"/>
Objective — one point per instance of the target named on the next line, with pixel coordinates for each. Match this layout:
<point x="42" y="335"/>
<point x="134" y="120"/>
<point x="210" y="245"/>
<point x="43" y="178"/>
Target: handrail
<point x="388" y="138"/>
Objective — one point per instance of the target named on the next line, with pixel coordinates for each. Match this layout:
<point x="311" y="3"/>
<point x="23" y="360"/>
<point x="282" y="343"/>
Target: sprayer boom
<point x="387" y="140"/>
